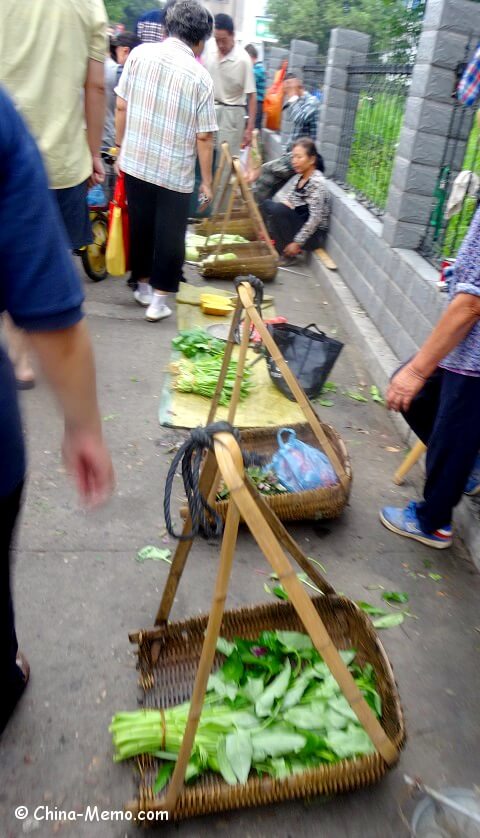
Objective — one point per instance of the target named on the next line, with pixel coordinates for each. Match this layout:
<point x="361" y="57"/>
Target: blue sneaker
<point x="405" y="522"/>
<point x="473" y="483"/>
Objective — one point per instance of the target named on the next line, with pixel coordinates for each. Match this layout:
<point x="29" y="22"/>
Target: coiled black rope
<point x="205" y="519"/>
<point x="257" y="286"/>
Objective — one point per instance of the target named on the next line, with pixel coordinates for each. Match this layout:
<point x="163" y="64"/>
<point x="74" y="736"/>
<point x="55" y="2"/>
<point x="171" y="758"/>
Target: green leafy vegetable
<point x="376" y="395"/>
<point x="389" y="621"/>
<point x="395" y="596"/>
<point x="325" y="402"/>
<point x="276" y="689"/>
<point x="239" y="752"/>
<point x="372" y="610"/>
<point x="163" y="777"/>
<point x="435" y="576"/>
<point x="272" y="708"/>
<point x="155" y="554"/>
<point x="352" y="394"/>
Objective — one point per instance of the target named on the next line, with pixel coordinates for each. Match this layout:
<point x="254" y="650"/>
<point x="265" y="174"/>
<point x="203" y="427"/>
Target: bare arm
<point x="66" y="358"/>
<point x="454" y="325"/>
<point x="120" y="120"/>
<point x="205" y="159"/>
<point x="95" y="114"/>
<point x="252" y="112"/>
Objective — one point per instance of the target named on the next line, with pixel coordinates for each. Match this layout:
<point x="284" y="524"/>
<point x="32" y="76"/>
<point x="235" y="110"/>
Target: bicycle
<point x="93" y="255"/>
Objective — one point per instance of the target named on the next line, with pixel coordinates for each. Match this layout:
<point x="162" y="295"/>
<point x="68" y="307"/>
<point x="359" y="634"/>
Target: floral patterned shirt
<point x="465" y="358"/>
<point x="315" y="195"/>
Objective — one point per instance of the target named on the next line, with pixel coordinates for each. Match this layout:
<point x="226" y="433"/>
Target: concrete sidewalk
<point x="79" y="591"/>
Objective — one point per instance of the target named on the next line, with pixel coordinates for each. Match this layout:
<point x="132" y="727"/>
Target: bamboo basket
<point x="252" y="261"/>
<point x="240" y="226"/>
<point x="169" y="681"/>
<point x="315" y="504"/>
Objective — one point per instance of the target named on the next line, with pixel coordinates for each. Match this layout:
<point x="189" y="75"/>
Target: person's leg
<point x="282" y="223"/>
<point x="13" y="679"/>
<point x="171" y="216"/>
<point x="19" y="355"/>
<point x="141" y="198"/>
<point x="452" y="449"/>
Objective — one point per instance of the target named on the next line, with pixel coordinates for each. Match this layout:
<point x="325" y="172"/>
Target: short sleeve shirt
<point x="45" y="46"/>
<point x="39" y="285"/>
<point x="232" y="76"/>
<point x="169" y="99"/>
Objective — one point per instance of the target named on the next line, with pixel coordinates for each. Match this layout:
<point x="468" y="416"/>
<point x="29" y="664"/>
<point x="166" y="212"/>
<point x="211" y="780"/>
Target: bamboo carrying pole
<point x="408" y="463"/>
<point x="245" y="501"/>
<point x="246" y="297"/>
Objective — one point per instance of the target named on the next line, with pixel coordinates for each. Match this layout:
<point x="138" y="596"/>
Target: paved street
<point x="79" y="591"/>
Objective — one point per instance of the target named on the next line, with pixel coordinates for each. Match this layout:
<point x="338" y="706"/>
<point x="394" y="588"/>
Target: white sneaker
<point x="155" y="312"/>
<point x="143" y="299"/>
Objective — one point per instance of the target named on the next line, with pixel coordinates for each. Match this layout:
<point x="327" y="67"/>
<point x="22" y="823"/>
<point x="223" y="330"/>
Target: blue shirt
<point x="39" y="285"/>
<point x="260" y="80"/>
<point x="465" y="279"/>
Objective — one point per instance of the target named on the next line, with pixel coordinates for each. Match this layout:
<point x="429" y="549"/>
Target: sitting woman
<point x="300" y="221"/>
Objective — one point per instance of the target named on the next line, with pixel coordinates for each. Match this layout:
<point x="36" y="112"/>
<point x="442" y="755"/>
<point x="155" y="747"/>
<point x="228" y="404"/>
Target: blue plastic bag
<point x="299" y="467"/>
<point x="96" y="196"/>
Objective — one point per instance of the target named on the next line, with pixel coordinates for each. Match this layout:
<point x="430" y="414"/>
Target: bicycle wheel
<point x="93" y="255"/>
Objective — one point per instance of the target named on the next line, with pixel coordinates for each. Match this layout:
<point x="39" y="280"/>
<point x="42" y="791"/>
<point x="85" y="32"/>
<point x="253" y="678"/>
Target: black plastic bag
<point x="309" y="353"/>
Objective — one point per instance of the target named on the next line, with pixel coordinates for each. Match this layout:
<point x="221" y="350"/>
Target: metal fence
<point x="376" y="97"/>
<point x="455" y="201"/>
<point x="313" y="79"/>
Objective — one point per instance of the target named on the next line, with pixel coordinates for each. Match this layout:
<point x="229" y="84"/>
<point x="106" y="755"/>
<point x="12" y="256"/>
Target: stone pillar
<point x="346" y="47"/>
<point x="430" y="119"/>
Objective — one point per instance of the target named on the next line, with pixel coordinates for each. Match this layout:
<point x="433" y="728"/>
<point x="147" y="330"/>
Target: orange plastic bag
<point x="273" y="102"/>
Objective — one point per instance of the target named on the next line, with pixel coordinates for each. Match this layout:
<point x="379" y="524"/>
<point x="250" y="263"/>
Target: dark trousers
<point x="158" y="223"/>
<point x="284" y="223"/>
<point x="12" y="683"/>
<point x="445" y="415"/>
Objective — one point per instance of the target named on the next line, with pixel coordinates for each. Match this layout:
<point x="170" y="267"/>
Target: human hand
<point x="88" y="460"/>
<point x="247" y="138"/>
<point x="206" y="191"/>
<point x="292" y="249"/>
<point x="404" y="386"/>
<point x="98" y="172"/>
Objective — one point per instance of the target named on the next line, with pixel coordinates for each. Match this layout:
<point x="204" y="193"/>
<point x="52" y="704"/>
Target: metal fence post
<point x="346" y="47"/>
<point x="430" y="122"/>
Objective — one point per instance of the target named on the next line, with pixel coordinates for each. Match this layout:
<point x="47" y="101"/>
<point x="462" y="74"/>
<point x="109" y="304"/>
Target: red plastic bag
<point x="273" y="102"/>
<point x="119" y="200"/>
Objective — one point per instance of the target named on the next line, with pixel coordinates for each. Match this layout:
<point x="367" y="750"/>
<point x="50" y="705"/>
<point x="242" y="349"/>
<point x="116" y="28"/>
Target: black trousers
<point x="284" y="223"/>
<point x="445" y="415"/>
<point x="158" y="223"/>
<point x="12" y="684"/>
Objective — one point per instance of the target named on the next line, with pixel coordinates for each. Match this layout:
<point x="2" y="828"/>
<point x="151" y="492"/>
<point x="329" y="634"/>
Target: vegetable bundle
<point x="190" y="342"/>
<point x="200" y="375"/>
<point x="273" y="708"/>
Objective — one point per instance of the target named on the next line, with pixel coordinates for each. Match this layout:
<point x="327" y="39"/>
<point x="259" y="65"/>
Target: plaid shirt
<point x="469" y="85"/>
<point x="303" y="115"/>
<point x="170" y="100"/>
<point x="260" y="80"/>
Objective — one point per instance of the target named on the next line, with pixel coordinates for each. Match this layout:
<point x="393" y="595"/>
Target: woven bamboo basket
<point x="263" y="267"/>
<point x="169" y="681"/>
<point x="242" y="225"/>
<point x="249" y="249"/>
<point x="297" y="506"/>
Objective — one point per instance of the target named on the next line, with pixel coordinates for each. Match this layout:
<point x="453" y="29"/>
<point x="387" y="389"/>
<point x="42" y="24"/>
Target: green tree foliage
<point x="387" y="21"/>
<point x="128" y="11"/>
